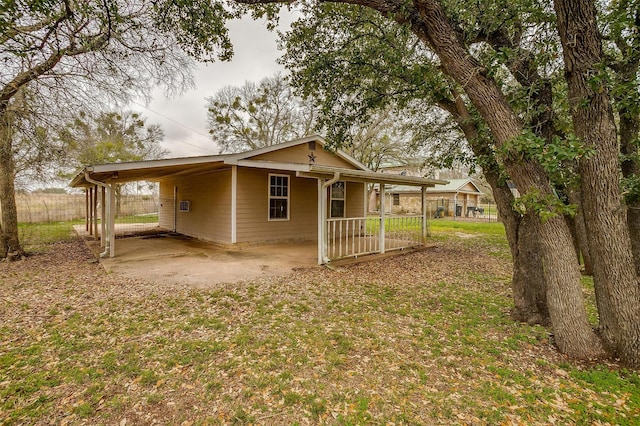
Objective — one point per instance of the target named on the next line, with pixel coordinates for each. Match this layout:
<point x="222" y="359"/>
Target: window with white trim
<point x="338" y="197"/>
<point x="278" y="197"/>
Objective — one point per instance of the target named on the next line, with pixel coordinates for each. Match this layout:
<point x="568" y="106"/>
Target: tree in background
<point x="385" y="139"/>
<point x="110" y="137"/>
<point x="259" y="114"/>
<point x="621" y="39"/>
<point x="269" y="112"/>
<point x="74" y="55"/>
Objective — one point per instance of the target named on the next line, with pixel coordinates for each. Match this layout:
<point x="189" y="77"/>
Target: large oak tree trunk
<point x="574" y="335"/>
<point x="626" y="73"/>
<point x="629" y="130"/>
<point x="9" y="241"/>
<point x="581" y="231"/>
<point x="528" y="285"/>
<point x="614" y="269"/>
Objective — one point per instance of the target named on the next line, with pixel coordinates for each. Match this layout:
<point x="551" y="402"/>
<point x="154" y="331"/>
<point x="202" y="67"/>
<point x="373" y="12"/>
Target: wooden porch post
<point x="321" y="222"/>
<point x="323" y="188"/>
<point x="382" y="215"/>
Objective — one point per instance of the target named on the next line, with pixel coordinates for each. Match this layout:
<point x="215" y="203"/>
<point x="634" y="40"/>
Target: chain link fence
<point x="44" y="218"/>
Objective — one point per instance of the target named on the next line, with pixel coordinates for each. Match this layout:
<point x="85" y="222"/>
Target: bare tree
<point x="74" y="53"/>
<point x="258" y="114"/>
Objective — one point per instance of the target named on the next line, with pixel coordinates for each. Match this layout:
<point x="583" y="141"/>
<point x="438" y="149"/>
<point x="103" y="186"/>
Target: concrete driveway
<point x="177" y="259"/>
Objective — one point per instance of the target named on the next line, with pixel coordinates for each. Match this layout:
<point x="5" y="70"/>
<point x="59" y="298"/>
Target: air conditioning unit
<point x="184" y="206"/>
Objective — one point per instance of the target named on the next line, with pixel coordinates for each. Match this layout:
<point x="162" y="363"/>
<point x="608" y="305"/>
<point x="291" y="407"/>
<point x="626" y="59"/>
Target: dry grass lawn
<point x="423" y="338"/>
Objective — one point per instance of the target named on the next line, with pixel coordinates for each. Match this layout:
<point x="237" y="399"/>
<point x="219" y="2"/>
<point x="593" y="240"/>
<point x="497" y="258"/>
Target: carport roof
<point x="146" y="170"/>
<point x="157" y="169"/>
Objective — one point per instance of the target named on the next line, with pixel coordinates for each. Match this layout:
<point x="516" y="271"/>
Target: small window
<point x="338" y="196"/>
<point x="184" y="206"/>
<point x="278" y="197"/>
<point x="396" y="199"/>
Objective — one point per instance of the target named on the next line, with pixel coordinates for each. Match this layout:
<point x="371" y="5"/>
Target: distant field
<point x="39" y="208"/>
<point x="48" y="218"/>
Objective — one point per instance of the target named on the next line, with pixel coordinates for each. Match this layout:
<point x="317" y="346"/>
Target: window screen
<point x="278" y="197"/>
<point x="338" y="197"/>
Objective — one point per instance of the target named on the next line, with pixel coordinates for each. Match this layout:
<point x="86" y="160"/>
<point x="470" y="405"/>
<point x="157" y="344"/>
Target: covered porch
<point x="351" y="234"/>
<point x="345" y="237"/>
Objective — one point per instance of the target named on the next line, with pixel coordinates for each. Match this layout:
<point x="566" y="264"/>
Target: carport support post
<point x="103" y="223"/>
<point x="455" y="205"/>
<point x="424" y="215"/>
<point x="112" y="220"/>
<point x="90" y="211"/>
<point x="234" y="202"/>
<point x="382" y="215"/>
<point x="86" y="208"/>
<point x="95" y="212"/>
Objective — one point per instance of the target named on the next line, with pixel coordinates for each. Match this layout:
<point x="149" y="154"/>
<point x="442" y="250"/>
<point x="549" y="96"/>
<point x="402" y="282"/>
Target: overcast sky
<point x="184" y="118"/>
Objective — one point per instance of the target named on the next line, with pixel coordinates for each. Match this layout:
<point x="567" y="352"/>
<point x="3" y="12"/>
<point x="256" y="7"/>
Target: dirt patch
<point x="464" y="235"/>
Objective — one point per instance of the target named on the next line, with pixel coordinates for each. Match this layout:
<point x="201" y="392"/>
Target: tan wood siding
<point x="300" y="154"/>
<point x="253" y="224"/>
<point x="209" y="195"/>
<point x="355" y="199"/>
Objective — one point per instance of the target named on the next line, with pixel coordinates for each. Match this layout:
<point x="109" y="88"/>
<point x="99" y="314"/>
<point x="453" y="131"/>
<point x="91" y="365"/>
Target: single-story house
<point x="459" y="197"/>
<point x="294" y="190"/>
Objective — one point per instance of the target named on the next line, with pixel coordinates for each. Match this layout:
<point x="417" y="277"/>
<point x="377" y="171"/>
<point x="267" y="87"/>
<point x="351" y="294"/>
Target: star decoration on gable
<point x="312" y="157"/>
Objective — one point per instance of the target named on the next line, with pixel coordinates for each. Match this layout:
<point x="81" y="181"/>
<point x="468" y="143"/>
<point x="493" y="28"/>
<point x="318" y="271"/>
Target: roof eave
<point x="370" y="176"/>
<point x="79" y="179"/>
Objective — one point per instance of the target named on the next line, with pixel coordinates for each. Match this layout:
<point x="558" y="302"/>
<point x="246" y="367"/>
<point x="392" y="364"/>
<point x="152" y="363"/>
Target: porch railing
<point x="352" y="237"/>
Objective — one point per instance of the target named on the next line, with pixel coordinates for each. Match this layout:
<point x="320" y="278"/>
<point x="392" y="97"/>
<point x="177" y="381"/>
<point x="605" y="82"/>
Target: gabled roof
<point x="456" y="185"/>
<point x="453" y="185"/>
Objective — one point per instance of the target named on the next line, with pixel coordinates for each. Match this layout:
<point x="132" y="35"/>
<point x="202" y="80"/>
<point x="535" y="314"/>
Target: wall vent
<point x="184" y="206"/>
